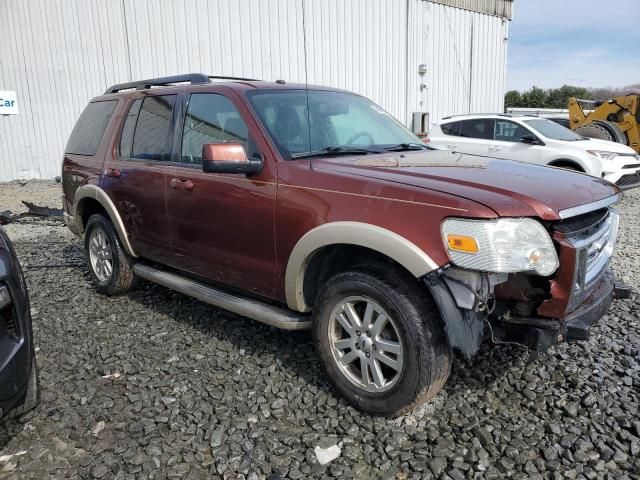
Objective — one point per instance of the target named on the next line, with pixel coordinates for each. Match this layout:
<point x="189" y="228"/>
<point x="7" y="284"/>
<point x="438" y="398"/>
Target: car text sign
<point x="8" y="102"/>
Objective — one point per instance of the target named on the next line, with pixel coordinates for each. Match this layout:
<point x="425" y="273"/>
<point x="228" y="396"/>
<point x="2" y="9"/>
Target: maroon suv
<point x="311" y="207"/>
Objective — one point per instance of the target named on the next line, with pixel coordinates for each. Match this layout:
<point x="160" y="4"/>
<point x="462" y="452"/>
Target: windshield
<point x="333" y="121"/>
<point x="553" y="130"/>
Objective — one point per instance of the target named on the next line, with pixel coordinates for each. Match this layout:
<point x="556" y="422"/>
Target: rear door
<point x="222" y="225"/>
<point x="466" y="136"/>
<point x="507" y="143"/>
<point x="134" y="173"/>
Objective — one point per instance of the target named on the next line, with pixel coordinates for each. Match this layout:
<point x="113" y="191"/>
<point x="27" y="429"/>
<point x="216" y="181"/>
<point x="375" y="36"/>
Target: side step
<point x="254" y="309"/>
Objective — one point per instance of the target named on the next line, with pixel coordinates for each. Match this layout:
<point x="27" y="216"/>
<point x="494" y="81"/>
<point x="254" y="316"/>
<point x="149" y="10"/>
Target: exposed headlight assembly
<point x="505" y="245"/>
<point x="603" y="155"/>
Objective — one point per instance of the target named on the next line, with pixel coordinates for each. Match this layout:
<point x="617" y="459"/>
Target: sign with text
<point x="8" y="102"/>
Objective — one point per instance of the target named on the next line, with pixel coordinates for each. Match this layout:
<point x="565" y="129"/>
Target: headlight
<point x="603" y="155"/>
<point x="503" y="245"/>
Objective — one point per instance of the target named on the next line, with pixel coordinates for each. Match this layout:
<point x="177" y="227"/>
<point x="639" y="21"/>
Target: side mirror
<point x="228" y="157"/>
<point x="530" y="140"/>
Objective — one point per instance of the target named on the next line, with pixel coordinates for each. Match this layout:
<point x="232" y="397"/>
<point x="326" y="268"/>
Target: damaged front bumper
<point x="538" y="334"/>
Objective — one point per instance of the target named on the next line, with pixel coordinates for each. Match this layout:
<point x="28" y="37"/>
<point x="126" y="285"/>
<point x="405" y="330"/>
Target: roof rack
<point x="507" y="115"/>
<point x="192" y="78"/>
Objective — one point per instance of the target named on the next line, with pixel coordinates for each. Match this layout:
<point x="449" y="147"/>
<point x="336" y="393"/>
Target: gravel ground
<point x="157" y="385"/>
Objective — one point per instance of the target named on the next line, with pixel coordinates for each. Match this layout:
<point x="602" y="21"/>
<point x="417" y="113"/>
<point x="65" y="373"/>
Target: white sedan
<point x="537" y="140"/>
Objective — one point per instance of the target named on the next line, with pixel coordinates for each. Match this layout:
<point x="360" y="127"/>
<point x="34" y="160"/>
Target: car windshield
<point x="553" y="130"/>
<point x="306" y="123"/>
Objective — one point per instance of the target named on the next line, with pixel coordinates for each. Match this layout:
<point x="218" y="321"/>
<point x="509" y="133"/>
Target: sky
<point x="588" y="43"/>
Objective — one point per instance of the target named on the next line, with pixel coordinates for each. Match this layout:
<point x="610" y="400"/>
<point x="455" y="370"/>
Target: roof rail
<point x="509" y="115"/>
<point x="193" y="78"/>
<point x="222" y="77"/>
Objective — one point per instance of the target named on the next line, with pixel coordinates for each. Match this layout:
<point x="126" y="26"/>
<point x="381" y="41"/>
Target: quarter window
<point x="152" y="137"/>
<point x="88" y="132"/>
<point x="126" y="140"/>
<point x="452" y="129"/>
<point x="211" y="118"/>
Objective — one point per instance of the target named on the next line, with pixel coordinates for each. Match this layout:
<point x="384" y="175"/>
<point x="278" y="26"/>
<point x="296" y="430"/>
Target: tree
<point x="512" y="99"/>
<point x="534" y="98"/>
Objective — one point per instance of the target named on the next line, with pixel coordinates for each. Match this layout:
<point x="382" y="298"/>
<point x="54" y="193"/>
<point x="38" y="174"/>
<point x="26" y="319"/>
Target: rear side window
<point x="88" y="132"/>
<point x="152" y="137"/>
<point x="452" y="129"/>
<point x="126" y="140"/>
<point x="211" y="118"/>
<point x="477" y="128"/>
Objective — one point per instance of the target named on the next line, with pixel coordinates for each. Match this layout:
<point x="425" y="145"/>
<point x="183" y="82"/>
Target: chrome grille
<point x="594" y="249"/>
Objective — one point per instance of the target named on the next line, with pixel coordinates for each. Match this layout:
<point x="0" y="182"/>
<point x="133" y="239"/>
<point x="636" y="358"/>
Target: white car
<point x="537" y="140"/>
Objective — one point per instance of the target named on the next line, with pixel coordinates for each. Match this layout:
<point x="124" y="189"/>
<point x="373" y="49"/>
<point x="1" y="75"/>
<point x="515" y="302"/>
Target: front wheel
<point x="381" y="340"/>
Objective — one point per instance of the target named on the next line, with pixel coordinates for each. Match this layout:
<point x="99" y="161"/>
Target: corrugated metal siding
<point x="57" y="54"/>
<point x="465" y="53"/>
<point x="501" y="8"/>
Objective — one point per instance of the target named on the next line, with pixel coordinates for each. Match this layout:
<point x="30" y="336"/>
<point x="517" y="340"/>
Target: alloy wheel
<point x="100" y="255"/>
<point x="365" y="344"/>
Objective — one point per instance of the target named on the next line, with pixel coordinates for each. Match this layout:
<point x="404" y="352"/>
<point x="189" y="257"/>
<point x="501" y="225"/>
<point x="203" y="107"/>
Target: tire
<point x="415" y="330"/>
<point x="32" y="396"/>
<point x="598" y="131"/>
<point x="102" y="247"/>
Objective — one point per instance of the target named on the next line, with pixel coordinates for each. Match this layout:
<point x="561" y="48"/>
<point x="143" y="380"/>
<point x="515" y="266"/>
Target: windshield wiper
<point x="340" y="150"/>
<point x="404" y="147"/>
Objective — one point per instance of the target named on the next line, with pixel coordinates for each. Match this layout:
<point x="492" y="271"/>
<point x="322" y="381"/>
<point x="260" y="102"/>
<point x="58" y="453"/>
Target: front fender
<point x="376" y="238"/>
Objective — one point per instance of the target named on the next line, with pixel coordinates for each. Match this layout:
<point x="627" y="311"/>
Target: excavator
<point x="616" y="120"/>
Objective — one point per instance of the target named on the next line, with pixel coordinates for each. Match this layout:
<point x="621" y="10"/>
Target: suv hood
<point x="508" y="188"/>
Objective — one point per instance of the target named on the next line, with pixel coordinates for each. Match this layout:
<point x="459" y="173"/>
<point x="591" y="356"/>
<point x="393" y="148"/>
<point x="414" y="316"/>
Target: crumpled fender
<point x="464" y="328"/>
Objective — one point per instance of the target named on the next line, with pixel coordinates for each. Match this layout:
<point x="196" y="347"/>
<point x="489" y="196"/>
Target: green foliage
<point x="552" y="98"/>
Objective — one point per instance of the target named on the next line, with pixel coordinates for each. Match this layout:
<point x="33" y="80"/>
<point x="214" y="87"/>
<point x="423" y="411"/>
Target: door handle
<point x="184" y="185"/>
<point x="495" y="149"/>
<point x="453" y="146"/>
<point x="113" y="172"/>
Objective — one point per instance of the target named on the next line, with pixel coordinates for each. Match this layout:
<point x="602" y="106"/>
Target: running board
<point x="254" y="309"/>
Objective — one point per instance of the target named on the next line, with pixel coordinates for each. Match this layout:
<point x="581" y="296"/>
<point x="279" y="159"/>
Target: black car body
<point x="18" y="370"/>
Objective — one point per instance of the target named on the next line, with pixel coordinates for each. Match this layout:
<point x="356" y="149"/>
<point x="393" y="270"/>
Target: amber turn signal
<point x="462" y="243"/>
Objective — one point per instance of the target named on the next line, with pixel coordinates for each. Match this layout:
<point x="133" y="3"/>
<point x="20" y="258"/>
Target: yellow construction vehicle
<point x="616" y="120"/>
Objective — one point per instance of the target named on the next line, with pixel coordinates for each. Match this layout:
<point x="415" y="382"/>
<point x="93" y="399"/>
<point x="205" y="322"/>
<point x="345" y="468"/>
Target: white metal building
<point x="439" y="57"/>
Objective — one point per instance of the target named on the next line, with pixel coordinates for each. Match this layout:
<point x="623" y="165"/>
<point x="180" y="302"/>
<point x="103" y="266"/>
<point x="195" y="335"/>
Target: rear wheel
<point x="381" y="341"/>
<point x="110" y="266"/>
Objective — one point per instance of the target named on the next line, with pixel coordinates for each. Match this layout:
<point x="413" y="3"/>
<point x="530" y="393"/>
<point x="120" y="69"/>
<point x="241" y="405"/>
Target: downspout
<point x="408" y="113"/>
<point x="473" y="22"/>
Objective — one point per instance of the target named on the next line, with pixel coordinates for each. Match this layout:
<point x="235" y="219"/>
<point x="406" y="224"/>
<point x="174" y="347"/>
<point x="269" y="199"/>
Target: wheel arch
<point x="91" y="199"/>
<point x="567" y="162"/>
<point x="380" y="241"/>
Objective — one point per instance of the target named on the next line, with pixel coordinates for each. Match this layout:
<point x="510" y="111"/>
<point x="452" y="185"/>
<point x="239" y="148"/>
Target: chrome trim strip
<point x="247" y="307"/>
<point x="588" y="207"/>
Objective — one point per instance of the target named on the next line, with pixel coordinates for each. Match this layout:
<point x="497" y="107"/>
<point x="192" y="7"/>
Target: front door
<point x="507" y="143"/>
<point x="222" y="225"/>
<point x="134" y="176"/>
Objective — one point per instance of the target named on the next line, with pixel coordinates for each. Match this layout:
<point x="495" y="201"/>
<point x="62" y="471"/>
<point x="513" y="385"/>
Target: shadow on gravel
<point x="294" y="349"/>
<point x="11" y="428"/>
